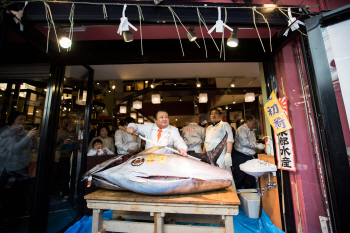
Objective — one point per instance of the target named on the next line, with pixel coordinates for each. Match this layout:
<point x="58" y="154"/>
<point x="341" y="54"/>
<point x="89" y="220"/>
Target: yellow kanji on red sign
<point x="276" y="115"/>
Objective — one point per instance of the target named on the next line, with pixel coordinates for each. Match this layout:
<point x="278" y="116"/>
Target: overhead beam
<point x="86" y="14"/>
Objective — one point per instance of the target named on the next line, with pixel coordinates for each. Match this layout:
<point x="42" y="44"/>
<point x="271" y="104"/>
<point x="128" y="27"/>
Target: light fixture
<point x="249" y="97"/>
<point x="68" y="109"/>
<point x="191" y="34"/>
<point x="122" y="109"/>
<point x="127" y="35"/>
<point x="133" y="115"/>
<point x="270" y="6"/>
<point x="65" y="42"/>
<point x="198" y="84"/>
<point x="226" y="107"/>
<point x="234" y="100"/>
<point x="161" y="98"/>
<point x="113" y="87"/>
<point x="140" y="120"/>
<point x="174" y="82"/>
<point x="137" y="104"/>
<point x="98" y="83"/>
<point x="232" y="41"/>
<point x="153" y="84"/>
<point x="180" y="99"/>
<point x="203" y="97"/>
<point x="146" y="81"/>
<point x="45" y="89"/>
<point x="155" y="99"/>
<point x="175" y="119"/>
<point x="232" y="84"/>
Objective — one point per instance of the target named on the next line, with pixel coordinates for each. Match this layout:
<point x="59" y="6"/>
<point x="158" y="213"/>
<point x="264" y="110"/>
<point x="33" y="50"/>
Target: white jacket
<point x="125" y="141"/>
<point x="245" y="140"/>
<point x="193" y="136"/>
<point x="170" y="136"/>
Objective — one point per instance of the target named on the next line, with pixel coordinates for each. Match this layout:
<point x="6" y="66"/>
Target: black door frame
<point x="332" y="144"/>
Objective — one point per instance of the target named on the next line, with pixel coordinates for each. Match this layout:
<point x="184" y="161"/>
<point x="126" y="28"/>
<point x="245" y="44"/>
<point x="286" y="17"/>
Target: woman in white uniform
<point x="214" y="135"/>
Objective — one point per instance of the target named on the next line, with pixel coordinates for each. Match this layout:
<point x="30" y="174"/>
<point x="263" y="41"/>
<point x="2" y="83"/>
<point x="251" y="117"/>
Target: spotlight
<point x="198" y="84"/>
<point x="65" y="42"/>
<point x="232" y="84"/>
<point x="191" y="34"/>
<point x="113" y="87"/>
<point x="234" y="100"/>
<point x="232" y="41"/>
<point x="127" y="36"/>
<point x="180" y="99"/>
<point x="226" y="107"/>
<point x="153" y="84"/>
<point x="98" y="83"/>
<point x="174" y="82"/>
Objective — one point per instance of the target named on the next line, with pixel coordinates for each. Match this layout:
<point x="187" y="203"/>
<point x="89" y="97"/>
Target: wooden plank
<point x="97" y="219"/>
<point x="121" y="226"/>
<point x="158" y="223"/>
<point x="222" y="197"/>
<point x="270" y="199"/>
<point x="229" y="224"/>
<point x="216" y="210"/>
<point x="193" y="218"/>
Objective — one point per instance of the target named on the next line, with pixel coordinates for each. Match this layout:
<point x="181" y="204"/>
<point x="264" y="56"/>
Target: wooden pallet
<point x="199" y="207"/>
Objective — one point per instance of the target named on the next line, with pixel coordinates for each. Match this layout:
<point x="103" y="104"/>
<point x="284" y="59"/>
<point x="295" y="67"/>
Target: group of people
<point x="16" y="145"/>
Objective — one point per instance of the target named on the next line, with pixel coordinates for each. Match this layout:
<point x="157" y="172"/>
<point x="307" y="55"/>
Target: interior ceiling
<point x="245" y="72"/>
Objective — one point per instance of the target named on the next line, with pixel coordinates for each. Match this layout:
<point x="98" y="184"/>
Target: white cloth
<point x="193" y="136"/>
<point x="214" y="135"/>
<point x="125" y="141"/>
<point x="170" y="136"/>
<point x="92" y="152"/>
<point x="245" y="141"/>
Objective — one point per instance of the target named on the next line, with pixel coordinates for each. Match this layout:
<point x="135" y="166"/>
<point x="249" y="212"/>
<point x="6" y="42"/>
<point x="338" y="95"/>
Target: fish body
<point x="165" y="174"/>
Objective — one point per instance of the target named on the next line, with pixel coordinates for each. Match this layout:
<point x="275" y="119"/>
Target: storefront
<point x="294" y="66"/>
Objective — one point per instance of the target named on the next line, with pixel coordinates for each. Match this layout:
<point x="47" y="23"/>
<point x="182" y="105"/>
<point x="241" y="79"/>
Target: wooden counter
<point x="222" y="203"/>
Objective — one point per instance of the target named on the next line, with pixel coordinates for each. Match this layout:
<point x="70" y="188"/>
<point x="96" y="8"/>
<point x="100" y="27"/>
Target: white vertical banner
<point x="340" y="44"/>
<point x="284" y="144"/>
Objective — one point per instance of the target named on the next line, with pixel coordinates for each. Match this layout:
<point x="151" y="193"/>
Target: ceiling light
<point x="232" y="84"/>
<point x="113" y="87"/>
<point x="65" y="42"/>
<point x="98" y="83"/>
<point x="133" y="115"/>
<point x="175" y="119"/>
<point x="146" y="81"/>
<point x="127" y="35"/>
<point x="153" y="84"/>
<point x="198" y="84"/>
<point x="232" y="41"/>
<point x="174" y="82"/>
<point x="180" y="99"/>
<point x="155" y="99"/>
<point x="140" y="120"/>
<point x="203" y="97"/>
<point x="234" y="100"/>
<point x="226" y="107"/>
<point x="161" y="98"/>
<point x="191" y="34"/>
<point x="249" y="97"/>
<point x="137" y="104"/>
<point x="122" y="109"/>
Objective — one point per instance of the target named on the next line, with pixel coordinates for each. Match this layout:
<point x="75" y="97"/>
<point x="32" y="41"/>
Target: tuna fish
<point x="164" y="174"/>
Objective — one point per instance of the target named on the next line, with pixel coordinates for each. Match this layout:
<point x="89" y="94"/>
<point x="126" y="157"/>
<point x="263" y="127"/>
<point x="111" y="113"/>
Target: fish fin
<point x="215" y="154"/>
<point x="150" y="150"/>
<point x="136" y="179"/>
<point x="202" y="156"/>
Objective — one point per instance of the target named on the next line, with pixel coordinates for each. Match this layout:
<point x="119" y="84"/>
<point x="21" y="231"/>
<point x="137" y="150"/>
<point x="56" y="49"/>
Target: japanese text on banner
<point x="276" y="115"/>
<point x="284" y="143"/>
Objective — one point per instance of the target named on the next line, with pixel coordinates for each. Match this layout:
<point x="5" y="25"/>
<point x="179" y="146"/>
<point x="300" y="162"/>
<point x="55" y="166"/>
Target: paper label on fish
<point x="89" y="181"/>
<point x="151" y="159"/>
<point x="162" y="159"/>
<point x="137" y="161"/>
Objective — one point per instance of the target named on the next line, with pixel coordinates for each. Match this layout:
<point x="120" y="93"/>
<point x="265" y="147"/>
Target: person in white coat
<point x="244" y="150"/>
<point x="126" y="143"/>
<point x="160" y="132"/>
<point x="193" y="135"/>
<point x="214" y="135"/>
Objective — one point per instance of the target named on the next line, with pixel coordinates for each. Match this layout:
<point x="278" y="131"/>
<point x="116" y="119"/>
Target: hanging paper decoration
<point x="284" y="144"/>
<point x="219" y="25"/>
<point x="124" y="23"/>
<point x="276" y="115"/>
<point x="293" y="23"/>
<point x="19" y="15"/>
